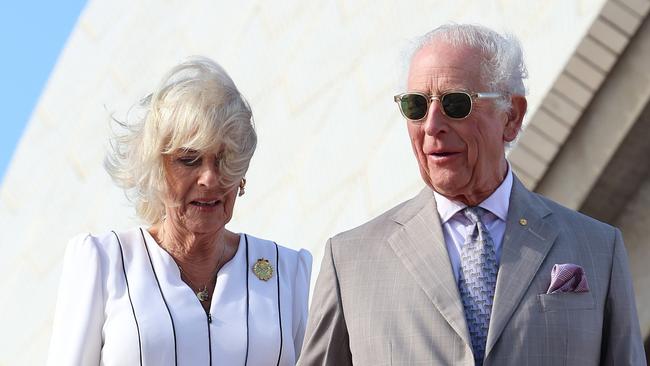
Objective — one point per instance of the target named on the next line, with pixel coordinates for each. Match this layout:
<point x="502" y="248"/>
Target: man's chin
<point x="446" y="187"/>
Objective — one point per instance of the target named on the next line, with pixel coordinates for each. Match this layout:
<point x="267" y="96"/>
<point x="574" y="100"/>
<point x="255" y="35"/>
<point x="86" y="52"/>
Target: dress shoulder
<point x="297" y="256"/>
<point x="296" y="264"/>
<point x="78" y="319"/>
<point x="99" y="243"/>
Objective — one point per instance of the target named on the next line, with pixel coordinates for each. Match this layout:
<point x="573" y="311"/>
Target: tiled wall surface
<point x="320" y="76"/>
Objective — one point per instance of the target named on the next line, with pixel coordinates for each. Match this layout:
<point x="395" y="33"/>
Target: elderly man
<point x="475" y="269"/>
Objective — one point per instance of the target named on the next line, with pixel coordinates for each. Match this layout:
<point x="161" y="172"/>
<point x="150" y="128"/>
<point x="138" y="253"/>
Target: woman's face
<point x="196" y="201"/>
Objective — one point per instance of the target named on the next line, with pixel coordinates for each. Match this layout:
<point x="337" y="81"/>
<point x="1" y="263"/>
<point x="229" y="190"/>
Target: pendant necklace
<point x="203" y="294"/>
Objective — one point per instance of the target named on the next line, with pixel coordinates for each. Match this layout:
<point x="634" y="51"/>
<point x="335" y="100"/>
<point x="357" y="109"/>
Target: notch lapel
<point x="524" y="249"/>
<point x="420" y="245"/>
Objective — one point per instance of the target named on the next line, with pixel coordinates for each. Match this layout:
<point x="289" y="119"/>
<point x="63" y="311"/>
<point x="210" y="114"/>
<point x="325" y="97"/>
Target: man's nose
<point x="435" y="121"/>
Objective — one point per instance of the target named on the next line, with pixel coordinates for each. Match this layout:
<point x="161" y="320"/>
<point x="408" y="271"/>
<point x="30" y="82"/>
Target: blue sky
<point x="32" y="34"/>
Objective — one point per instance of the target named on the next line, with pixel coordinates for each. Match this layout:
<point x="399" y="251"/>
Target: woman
<point x="184" y="290"/>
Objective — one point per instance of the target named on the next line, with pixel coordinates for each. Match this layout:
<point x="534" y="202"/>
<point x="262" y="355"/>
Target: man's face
<point x="460" y="159"/>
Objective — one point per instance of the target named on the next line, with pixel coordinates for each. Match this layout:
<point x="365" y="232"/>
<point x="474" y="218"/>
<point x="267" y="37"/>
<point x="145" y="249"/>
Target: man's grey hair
<point x="502" y="69"/>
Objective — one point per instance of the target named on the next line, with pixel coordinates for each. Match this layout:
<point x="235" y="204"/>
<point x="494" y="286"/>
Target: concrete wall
<point x="634" y="221"/>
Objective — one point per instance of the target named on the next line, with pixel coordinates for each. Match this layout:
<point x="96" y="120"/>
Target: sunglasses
<point x="455" y="104"/>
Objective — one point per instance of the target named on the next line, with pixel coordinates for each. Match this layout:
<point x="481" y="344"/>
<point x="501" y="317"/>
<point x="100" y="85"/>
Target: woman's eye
<point x="218" y="159"/>
<point x="190" y="160"/>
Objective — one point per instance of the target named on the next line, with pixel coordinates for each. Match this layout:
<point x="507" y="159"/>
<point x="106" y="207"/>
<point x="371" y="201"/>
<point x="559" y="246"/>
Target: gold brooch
<point x="263" y="269"/>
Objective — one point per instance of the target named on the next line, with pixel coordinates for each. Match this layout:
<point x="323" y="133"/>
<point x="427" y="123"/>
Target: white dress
<point x="122" y="302"/>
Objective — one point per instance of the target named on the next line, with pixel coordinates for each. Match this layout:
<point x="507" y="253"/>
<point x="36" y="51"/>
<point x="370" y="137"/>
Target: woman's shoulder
<point x="300" y="257"/>
<point x="292" y="265"/>
<point x="103" y="243"/>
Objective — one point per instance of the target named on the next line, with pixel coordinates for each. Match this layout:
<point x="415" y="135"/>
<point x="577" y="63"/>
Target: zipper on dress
<point x="209" y="319"/>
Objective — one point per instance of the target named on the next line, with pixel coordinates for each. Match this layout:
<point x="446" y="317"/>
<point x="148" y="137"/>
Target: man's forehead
<point x="448" y="71"/>
<point x="440" y="61"/>
<point x="444" y="54"/>
<point x="443" y="78"/>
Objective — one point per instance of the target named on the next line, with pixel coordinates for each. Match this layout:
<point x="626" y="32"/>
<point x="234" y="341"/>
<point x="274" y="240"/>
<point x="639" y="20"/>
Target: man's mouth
<point x="443" y="154"/>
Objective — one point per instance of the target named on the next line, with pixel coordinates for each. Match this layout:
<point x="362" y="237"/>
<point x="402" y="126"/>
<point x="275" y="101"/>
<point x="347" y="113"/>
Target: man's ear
<point x="515" y="117"/>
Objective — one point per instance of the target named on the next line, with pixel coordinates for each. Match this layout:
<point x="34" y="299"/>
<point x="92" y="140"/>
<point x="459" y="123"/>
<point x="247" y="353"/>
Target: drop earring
<point x="242" y="185"/>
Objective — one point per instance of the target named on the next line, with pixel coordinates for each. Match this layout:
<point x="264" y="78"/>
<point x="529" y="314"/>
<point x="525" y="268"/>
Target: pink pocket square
<point x="567" y="278"/>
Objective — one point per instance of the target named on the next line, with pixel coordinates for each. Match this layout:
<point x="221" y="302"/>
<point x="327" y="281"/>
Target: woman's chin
<point x="204" y="225"/>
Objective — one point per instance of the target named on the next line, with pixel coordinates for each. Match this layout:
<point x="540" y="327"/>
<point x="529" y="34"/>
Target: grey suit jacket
<point x="386" y="294"/>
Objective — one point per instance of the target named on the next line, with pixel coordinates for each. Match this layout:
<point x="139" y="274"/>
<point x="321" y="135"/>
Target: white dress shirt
<point x="455" y="225"/>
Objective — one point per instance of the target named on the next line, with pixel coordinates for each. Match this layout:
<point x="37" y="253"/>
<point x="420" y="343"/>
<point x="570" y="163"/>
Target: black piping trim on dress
<point x="144" y="242"/>
<point x="247" y="302"/>
<point x="128" y="291"/>
<point x="277" y="277"/>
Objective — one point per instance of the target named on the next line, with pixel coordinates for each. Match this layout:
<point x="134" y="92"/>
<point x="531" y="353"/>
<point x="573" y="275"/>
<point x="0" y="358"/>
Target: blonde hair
<point x="196" y="107"/>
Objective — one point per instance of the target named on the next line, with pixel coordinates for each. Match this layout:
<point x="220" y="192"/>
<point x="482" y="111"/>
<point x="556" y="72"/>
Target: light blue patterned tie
<point x="478" y="277"/>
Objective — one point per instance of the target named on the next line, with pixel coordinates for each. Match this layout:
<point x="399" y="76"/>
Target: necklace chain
<point x="202" y="293"/>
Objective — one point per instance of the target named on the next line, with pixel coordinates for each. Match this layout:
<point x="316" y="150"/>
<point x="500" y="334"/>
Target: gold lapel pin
<point x="263" y="269"/>
<point x="523" y="222"/>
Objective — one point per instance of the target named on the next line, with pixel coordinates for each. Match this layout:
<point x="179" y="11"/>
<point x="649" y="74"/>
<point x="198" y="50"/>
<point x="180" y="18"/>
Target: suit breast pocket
<point x="566" y="301"/>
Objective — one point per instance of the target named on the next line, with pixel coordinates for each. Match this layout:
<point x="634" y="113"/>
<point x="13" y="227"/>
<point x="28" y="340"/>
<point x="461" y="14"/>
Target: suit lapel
<point x="525" y="245"/>
<point x="420" y="245"/>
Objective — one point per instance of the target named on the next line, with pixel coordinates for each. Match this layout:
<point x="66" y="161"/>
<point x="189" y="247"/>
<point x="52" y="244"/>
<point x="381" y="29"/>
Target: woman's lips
<point x="205" y="205"/>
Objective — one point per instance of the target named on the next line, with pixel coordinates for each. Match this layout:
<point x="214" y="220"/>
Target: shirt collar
<point x="497" y="203"/>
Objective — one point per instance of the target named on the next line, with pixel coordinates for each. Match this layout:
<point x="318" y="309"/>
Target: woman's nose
<point x="208" y="176"/>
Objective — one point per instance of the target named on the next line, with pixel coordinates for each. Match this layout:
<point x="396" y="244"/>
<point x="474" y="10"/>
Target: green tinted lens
<point x="414" y="106"/>
<point x="456" y="105"/>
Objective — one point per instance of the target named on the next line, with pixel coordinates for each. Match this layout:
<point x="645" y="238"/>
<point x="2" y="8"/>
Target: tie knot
<point x="474" y="213"/>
